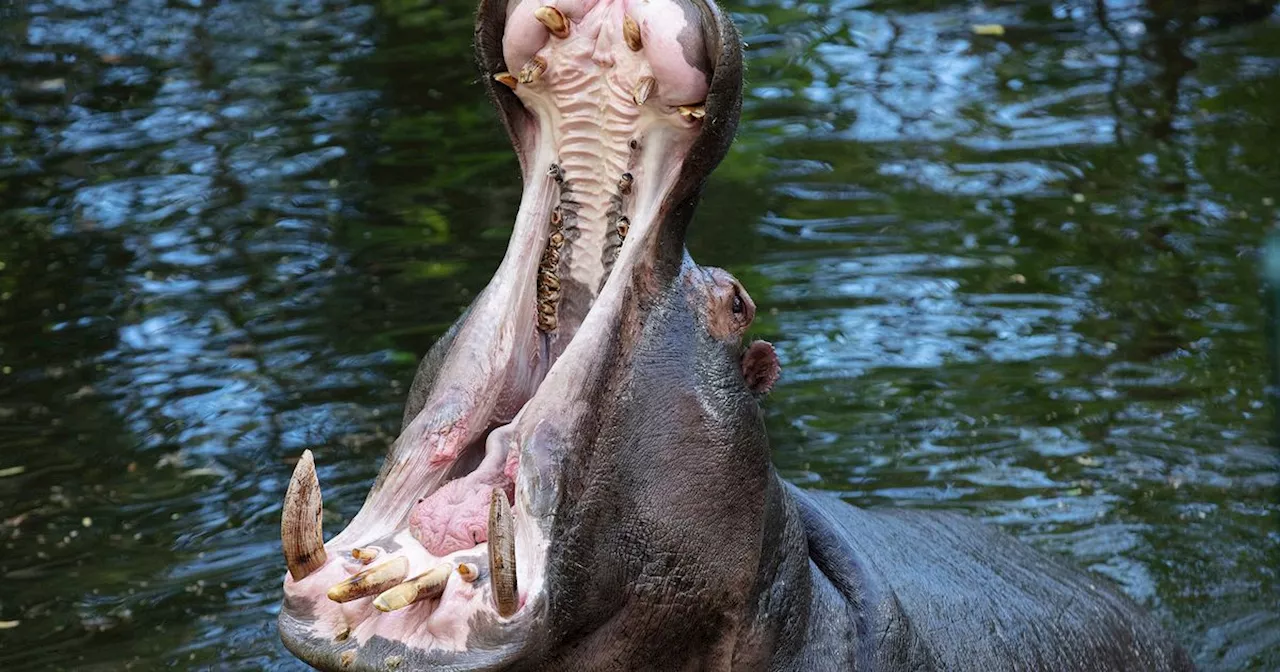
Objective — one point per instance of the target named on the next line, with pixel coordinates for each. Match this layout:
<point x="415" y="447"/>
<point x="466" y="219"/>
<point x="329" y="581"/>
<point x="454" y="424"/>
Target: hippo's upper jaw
<point x="618" y="110"/>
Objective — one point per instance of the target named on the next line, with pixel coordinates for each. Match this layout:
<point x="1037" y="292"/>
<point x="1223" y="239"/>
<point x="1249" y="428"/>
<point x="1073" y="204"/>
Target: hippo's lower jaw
<point x="368" y="606"/>
<point x="617" y="118"/>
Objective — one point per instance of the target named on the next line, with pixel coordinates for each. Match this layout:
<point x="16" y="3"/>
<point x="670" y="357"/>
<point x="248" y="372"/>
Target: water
<point x="1012" y="275"/>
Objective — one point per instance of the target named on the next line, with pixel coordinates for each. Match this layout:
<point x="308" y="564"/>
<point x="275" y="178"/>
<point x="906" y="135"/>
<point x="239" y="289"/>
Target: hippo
<point x="583" y="477"/>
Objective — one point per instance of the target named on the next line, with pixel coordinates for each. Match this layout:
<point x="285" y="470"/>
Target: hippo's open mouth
<point x="618" y="109"/>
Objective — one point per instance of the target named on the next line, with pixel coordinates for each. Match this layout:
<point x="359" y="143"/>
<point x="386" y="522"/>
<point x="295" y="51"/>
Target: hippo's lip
<point x="606" y="129"/>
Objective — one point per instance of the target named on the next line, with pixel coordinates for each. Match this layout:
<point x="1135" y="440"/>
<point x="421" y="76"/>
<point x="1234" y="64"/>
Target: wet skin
<point x="583" y="478"/>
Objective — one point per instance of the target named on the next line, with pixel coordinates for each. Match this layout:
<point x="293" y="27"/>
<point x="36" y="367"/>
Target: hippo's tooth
<point x="533" y="70"/>
<point x="631" y="33"/>
<point x="554" y="20"/>
<point x="300" y="531"/>
<point x="371" y="581"/>
<point x="427" y="586"/>
<point x="693" y="111"/>
<point x="468" y="572"/>
<point x="643" y="89"/>
<point x="364" y="555"/>
<point x="508" y="79"/>
<point x="502" y="553"/>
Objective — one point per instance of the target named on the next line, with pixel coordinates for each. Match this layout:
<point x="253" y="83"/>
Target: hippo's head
<point x="586" y="463"/>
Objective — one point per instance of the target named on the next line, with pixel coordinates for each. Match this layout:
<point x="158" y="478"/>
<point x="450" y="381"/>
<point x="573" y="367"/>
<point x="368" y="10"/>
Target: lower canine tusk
<point x="502" y="553"/>
<point x="301" y="535"/>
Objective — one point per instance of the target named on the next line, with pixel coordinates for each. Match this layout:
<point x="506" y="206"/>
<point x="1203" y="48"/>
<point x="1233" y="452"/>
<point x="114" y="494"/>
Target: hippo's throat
<point x="611" y="130"/>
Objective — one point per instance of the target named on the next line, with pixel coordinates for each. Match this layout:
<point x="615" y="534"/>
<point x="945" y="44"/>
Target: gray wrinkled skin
<point x="681" y="548"/>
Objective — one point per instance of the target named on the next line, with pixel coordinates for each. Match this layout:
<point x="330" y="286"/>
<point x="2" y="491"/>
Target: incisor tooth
<point x="693" y="111"/>
<point x="426" y="586"/>
<point x="643" y="89"/>
<point x="502" y="553"/>
<point x="468" y="572"/>
<point x="371" y="581"/>
<point x="554" y="20"/>
<point x="364" y="555"/>
<point x="300" y="533"/>
<point x="508" y="79"/>
<point x="533" y="70"/>
<point x="631" y="33"/>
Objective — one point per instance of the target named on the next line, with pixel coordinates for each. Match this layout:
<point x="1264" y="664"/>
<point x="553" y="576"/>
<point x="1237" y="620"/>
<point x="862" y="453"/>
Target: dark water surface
<point x="1012" y="275"/>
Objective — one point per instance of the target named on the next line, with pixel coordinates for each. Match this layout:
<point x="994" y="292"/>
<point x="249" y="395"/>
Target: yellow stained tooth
<point x="502" y="554"/>
<point x="468" y="572"/>
<point x="693" y="111"/>
<point x="364" y="555"/>
<point x="508" y="79"/>
<point x="643" y="89"/>
<point x="631" y="33"/>
<point x="533" y="70"/>
<point x="371" y="581"/>
<point x="300" y="533"/>
<point x="554" y="20"/>
<point x="426" y="586"/>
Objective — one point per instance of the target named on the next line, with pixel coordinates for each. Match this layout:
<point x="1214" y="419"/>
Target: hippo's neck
<point x="818" y="604"/>
<point x="792" y="597"/>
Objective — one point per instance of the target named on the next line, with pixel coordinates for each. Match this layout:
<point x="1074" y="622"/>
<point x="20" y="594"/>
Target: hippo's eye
<point x="738" y="306"/>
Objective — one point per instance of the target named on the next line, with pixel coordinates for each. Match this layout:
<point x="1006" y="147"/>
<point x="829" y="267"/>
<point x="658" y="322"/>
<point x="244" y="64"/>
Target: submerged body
<point x="583" y="479"/>
<point x="950" y="593"/>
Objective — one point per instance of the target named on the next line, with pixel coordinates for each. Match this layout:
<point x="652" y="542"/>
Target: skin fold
<point x="598" y="411"/>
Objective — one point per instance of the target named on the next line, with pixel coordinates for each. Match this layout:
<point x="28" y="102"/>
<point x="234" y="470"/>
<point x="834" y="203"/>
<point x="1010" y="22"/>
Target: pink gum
<point x="661" y="24"/>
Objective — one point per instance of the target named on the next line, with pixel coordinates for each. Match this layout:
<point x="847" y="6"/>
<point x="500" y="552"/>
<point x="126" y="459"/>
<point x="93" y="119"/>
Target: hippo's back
<point x="981" y="600"/>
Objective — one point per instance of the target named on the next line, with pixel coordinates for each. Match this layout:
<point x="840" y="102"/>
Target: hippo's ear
<point x="760" y="367"/>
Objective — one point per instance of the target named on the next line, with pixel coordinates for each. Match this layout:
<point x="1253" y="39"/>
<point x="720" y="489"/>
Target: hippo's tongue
<point x="456" y="517"/>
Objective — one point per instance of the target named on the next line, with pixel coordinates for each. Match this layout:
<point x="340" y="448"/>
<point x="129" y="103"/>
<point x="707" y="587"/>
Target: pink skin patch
<point x="668" y="30"/>
<point x="760" y="367"/>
